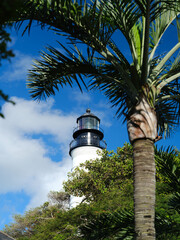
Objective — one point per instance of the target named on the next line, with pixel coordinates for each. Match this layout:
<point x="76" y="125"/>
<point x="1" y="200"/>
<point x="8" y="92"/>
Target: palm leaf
<point x="165" y="90"/>
<point x="75" y="20"/>
<point x="168" y="165"/>
<point x="168" y="110"/>
<point x="116" y="225"/>
<point x="174" y="202"/>
<point x="160" y="67"/>
<point x="168" y="118"/>
<point x="120" y="225"/>
<point x="178" y="27"/>
<point x="56" y="69"/>
<point x="136" y="43"/>
<point x="158" y="28"/>
<point x="166" y="227"/>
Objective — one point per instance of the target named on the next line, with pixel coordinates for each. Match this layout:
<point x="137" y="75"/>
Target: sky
<point x="35" y="136"/>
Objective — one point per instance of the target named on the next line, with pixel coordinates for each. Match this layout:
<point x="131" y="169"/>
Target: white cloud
<point x="34" y="146"/>
<point x="82" y="98"/>
<point x="18" y="68"/>
<point x="28" y="117"/>
<point x="12" y="42"/>
<point x="25" y="159"/>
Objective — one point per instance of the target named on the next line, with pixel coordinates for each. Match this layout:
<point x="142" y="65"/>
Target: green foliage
<point x="109" y="212"/>
<point x="174" y="202"/>
<point x="168" y="166"/>
<point x="120" y="225"/>
<point x="59" y="199"/>
<point x="111" y="172"/>
<point x="35" y="221"/>
<point x="168" y="185"/>
<point x="25" y="225"/>
<point x="115" y="225"/>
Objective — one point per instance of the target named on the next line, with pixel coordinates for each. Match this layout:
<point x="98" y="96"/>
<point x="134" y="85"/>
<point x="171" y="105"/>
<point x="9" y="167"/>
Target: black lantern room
<point x="88" y="132"/>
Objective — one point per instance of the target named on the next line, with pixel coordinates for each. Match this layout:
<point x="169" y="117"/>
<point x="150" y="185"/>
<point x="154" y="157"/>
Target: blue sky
<point x="35" y="137"/>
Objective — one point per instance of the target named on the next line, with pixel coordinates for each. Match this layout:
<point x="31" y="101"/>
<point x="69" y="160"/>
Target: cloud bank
<point x="18" y="68"/>
<point x="34" y="144"/>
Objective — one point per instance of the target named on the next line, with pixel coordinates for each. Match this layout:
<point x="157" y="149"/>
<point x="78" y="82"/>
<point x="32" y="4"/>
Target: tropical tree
<point x="145" y="90"/>
<point x="120" y="225"/>
<point x="116" y="219"/>
<point x="99" y="179"/>
<point x="108" y="177"/>
<point x="109" y="212"/>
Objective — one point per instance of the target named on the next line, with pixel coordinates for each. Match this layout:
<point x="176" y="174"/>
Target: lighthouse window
<point x="91" y="122"/>
<point x="80" y="123"/>
<point x="88" y="122"/>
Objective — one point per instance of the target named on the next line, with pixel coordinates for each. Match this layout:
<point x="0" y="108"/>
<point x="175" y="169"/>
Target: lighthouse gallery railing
<point x="87" y="142"/>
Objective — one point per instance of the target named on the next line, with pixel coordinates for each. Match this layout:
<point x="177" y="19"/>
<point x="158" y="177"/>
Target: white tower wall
<point x="83" y="153"/>
<point x="80" y="155"/>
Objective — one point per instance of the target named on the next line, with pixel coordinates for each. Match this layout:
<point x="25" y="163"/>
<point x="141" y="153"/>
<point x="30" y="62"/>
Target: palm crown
<point x="142" y="23"/>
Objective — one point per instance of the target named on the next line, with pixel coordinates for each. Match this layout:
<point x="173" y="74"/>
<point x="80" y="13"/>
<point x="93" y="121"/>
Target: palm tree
<point x="120" y="223"/>
<point x="144" y="91"/>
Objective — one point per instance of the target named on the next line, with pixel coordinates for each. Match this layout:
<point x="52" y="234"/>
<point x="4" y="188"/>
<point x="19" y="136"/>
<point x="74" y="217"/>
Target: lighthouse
<point x="88" y="139"/>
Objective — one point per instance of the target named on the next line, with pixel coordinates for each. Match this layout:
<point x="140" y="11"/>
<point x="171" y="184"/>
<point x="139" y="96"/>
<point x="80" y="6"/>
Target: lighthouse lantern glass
<point x="88" y="122"/>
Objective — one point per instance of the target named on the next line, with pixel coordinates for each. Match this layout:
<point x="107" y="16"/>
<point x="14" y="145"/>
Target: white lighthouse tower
<point x="88" y="139"/>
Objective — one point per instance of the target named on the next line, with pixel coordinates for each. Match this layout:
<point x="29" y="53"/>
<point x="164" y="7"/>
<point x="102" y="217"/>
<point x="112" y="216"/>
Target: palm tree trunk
<point x="142" y="130"/>
<point x="144" y="189"/>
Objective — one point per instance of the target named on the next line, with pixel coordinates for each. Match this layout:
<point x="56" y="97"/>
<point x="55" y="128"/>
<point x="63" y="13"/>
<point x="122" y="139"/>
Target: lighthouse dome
<point x="87" y="132"/>
<point x="88" y="113"/>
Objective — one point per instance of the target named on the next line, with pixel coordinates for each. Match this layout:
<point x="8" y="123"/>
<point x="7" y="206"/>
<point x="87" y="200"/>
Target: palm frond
<point x="159" y="68"/>
<point x="178" y="27"/>
<point x="116" y="50"/>
<point x="57" y="70"/>
<point x="135" y="34"/>
<point x="165" y="92"/>
<point x="168" y="108"/>
<point x="159" y="7"/>
<point x="174" y="202"/>
<point x="168" y="117"/>
<point x="123" y="14"/>
<point x="54" y="70"/>
<point x="168" y="165"/>
<point x="155" y="10"/>
<point x="117" y="86"/>
<point x="158" y="28"/>
<point x="77" y="21"/>
<point x="166" y="227"/>
<point x="118" y="225"/>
